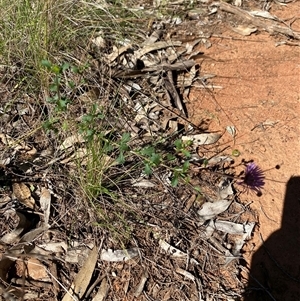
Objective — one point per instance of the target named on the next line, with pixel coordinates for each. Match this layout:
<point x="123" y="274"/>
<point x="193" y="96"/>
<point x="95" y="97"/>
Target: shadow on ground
<point x="275" y="268"/>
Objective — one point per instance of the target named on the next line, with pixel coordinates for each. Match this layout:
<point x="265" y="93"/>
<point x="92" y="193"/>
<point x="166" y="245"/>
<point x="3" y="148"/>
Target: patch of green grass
<point x="55" y="30"/>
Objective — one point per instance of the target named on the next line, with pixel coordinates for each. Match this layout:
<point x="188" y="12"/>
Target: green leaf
<point x="75" y="69"/>
<point x="108" y="147"/>
<point x="148" y="151"/>
<point x="65" y="66"/>
<point x="62" y="104"/>
<point x="123" y="147"/>
<point x="188" y="143"/>
<point x="71" y="84"/>
<point x="87" y="118"/>
<point x="178" y="144"/>
<point x="185" y="166"/>
<point x="121" y="158"/>
<point x="47" y="125"/>
<point x="174" y="181"/>
<point x="50" y="99"/>
<point x="198" y="189"/>
<point x="89" y="133"/>
<point x="55" y="98"/>
<point x="100" y="116"/>
<point x="170" y="157"/>
<point x="186" y="153"/>
<point x="147" y="169"/>
<point x="205" y="162"/>
<point x="46" y="63"/>
<point x="53" y="87"/>
<point x="155" y="159"/>
<point x="57" y="80"/>
<point x="125" y="138"/>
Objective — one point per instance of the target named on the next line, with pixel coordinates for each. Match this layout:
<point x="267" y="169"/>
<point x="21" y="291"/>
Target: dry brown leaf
<point x="78" y="155"/>
<point x="45" y="202"/>
<point x="141" y="285"/>
<point x="170" y="87"/>
<point x="23" y="194"/>
<point x="83" y="277"/>
<point x="244" y="30"/>
<point x="156" y="46"/>
<point x="53" y="247"/>
<point x="117" y="52"/>
<point x="102" y="292"/>
<point x="16" y="144"/>
<point x="142" y="183"/>
<point x="185" y="274"/>
<point x="185" y="65"/>
<point x="269" y="25"/>
<point x="31" y="235"/>
<point x="99" y="41"/>
<point x="70" y="141"/>
<point x="32" y="268"/>
<point x="173" y="126"/>
<point x="14" y="235"/>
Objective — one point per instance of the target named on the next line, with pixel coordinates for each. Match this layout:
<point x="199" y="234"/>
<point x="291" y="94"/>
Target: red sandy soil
<point x="260" y="96"/>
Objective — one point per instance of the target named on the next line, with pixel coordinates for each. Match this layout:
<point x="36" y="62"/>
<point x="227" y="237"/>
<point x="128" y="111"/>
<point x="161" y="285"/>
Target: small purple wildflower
<point x="254" y="178"/>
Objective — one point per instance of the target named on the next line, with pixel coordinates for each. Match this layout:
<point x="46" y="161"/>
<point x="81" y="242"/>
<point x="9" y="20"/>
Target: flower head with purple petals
<point x="253" y="178"/>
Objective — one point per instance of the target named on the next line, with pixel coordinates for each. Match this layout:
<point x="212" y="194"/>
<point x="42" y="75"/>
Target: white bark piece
<point x="225" y="189"/>
<point x="202" y="139"/>
<point x="171" y="250"/>
<point x="210" y="210"/>
<point x="231" y="130"/>
<point x="143" y="183"/>
<point x="262" y="14"/>
<point x="242" y="230"/>
<point x="118" y="255"/>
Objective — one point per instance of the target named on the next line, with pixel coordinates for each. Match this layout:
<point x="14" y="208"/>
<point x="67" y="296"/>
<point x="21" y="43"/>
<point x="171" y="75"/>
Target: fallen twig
<point x="268" y="25"/>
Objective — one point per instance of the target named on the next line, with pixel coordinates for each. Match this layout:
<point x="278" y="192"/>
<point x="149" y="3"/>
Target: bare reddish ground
<point x="260" y="96"/>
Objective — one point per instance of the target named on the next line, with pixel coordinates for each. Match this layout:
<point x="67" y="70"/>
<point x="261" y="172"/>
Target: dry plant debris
<point x="179" y="243"/>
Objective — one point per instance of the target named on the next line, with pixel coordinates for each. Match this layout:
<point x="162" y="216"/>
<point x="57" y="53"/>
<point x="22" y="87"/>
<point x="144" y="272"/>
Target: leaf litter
<point x="182" y="236"/>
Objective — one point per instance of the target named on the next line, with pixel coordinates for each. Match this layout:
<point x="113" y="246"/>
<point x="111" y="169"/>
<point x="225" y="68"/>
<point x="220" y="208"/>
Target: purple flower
<point x="254" y="178"/>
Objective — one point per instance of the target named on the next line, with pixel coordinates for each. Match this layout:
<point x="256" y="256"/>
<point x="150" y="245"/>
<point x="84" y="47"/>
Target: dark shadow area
<point x="275" y="267"/>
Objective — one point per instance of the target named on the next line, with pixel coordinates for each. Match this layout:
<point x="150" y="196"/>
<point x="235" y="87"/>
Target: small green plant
<point x="64" y="79"/>
<point x="89" y="121"/>
<point x="60" y="84"/>
<point x="174" y="159"/>
<point x="182" y="148"/>
<point x="123" y="147"/>
<point x="180" y="173"/>
<point x="152" y="159"/>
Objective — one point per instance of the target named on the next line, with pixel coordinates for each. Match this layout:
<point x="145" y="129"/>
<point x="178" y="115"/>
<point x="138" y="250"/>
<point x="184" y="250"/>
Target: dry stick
<point x="169" y="85"/>
<point x="268" y="25"/>
<point x="179" y="66"/>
